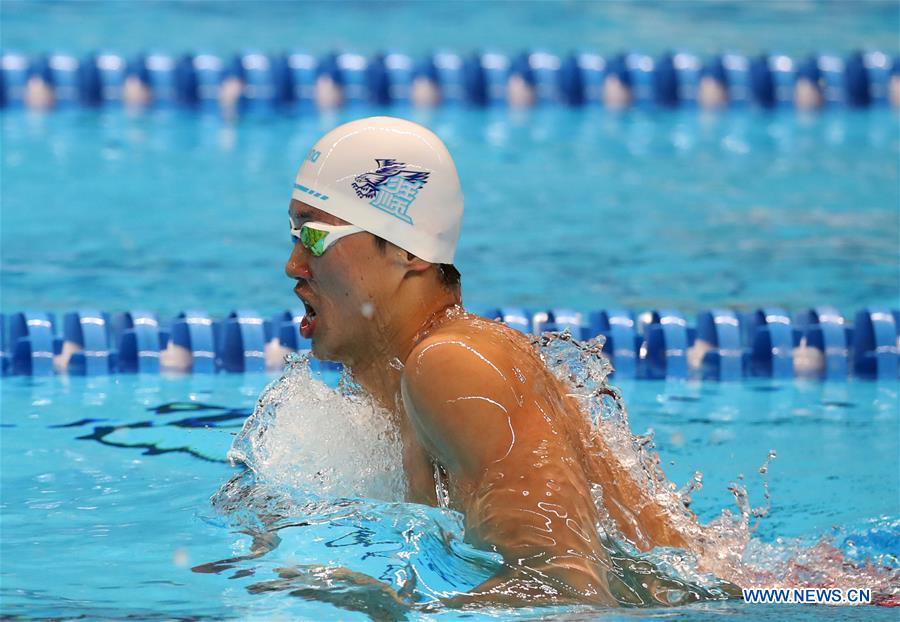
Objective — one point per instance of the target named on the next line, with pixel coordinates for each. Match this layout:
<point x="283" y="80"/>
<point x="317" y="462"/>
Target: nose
<point x="297" y="266"/>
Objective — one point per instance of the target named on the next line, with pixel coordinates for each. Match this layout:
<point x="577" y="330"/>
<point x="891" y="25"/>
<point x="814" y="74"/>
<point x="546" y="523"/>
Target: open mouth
<point x="310" y="310"/>
<point x="308" y="323"/>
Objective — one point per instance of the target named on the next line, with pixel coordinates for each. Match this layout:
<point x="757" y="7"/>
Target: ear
<point x="414" y="264"/>
<point x="406" y="261"/>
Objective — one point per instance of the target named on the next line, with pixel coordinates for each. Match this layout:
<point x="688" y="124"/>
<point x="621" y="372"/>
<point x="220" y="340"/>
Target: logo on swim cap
<point x="391" y="187"/>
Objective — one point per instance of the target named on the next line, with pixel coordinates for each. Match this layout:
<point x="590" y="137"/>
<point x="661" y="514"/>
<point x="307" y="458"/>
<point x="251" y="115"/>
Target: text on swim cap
<point x="391" y="187"/>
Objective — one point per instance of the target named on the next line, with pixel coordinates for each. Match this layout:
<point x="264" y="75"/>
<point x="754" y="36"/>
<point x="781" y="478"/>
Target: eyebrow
<point x="301" y="214"/>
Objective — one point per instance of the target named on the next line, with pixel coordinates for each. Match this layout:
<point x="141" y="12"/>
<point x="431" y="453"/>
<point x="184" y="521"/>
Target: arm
<point x="508" y="460"/>
<point x="644" y="520"/>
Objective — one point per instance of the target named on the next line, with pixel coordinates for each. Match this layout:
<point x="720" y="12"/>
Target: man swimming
<point x="485" y="426"/>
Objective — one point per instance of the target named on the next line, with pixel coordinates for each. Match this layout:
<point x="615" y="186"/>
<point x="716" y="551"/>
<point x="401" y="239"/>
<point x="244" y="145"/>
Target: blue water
<point x="563" y="208"/>
<point x="105" y="505"/>
<point x="703" y="26"/>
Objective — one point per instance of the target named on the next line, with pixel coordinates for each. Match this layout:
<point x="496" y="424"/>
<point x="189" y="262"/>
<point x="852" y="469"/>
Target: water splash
<point x="306" y="436"/>
<point x="724" y="546"/>
<point x="317" y="454"/>
<point x="714" y="549"/>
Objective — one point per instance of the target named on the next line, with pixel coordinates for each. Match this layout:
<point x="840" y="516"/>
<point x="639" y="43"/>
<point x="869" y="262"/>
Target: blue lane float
<point x="262" y="83"/>
<point x="4" y="356"/>
<point x="286" y="330"/>
<point x="722" y="357"/>
<point x="86" y="337"/>
<point x="202" y="76"/>
<point x="241" y="343"/>
<point x="623" y="344"/>
<point x="138" y="338"/>
<point x="769" y="337"/>
<point x="193" y="331"/>
<point x="515" y="317"/>
<point x="160" y="72"/>
<point x="723" y="344"/>
<point x="875" y="344"/>
<point x="31" y="343"/>
<point x="261" y="87"/>
<point x="103" y="79"/>
<point x="557" y="320"/>
<point x="665" y="349"/>
<point x="823" y="329"/>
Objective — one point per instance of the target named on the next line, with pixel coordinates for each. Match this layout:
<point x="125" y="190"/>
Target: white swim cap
<point x="391" y="177"/>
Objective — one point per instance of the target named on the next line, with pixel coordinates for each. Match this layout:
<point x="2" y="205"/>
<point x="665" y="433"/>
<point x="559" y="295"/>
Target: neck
<point x="397" y="327"/>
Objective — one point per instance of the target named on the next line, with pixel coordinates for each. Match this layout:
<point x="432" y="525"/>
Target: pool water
<point x="568" y="208"/>
<point x="704" y="26"/>
<point x="107" y="505"/>
<point x="107" y="485"/>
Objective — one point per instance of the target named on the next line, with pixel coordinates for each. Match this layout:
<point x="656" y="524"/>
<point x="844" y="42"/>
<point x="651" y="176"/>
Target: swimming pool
<point x="114" y="465"/>
<point x="107" y="481"/>
<point x="107" y="513"/>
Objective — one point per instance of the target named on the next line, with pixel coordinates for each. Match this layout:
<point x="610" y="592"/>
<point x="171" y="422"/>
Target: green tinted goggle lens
<point x="313" y="240"/>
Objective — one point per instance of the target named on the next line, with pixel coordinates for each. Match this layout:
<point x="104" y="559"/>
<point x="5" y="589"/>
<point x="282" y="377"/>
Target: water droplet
<point x="368" y="310"/>
<point x="765" y="466"/>
<point x="396" y="364"/>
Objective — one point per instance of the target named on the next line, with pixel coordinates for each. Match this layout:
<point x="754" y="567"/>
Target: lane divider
<point x="721" y="344"/>
<point x="253" y="82"/>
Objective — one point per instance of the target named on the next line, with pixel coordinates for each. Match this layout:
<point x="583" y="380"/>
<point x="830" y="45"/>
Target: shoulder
<point x="457" y="381"/>
<point x="453" y="356"/>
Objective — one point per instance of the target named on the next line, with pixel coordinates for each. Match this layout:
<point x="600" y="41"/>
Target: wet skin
<point x="520" y="458"/>
<point x="472" y="398"/>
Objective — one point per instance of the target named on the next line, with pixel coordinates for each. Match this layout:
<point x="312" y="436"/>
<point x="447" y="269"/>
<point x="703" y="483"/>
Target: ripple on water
<point x="324" y="481"/>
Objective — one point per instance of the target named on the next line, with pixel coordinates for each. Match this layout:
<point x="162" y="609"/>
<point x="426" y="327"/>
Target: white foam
<point x="314" y="438"/>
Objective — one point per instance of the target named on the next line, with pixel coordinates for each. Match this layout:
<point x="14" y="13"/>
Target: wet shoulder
<point x="460" y="389"/>
<point x="468" y="351"/>
<point x="470" y="340"/>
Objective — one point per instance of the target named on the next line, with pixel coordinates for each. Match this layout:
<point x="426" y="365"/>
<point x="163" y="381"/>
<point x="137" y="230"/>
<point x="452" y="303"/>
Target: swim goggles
<point x="316" y="237"/>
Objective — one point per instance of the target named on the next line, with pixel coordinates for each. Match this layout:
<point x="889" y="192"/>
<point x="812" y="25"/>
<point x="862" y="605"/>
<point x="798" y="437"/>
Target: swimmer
<point x="486" y="428"/>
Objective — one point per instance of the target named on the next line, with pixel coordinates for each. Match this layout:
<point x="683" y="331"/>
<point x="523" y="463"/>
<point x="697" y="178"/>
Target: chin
<point x="323" y="352"/>
<point x="319" y="350"/>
